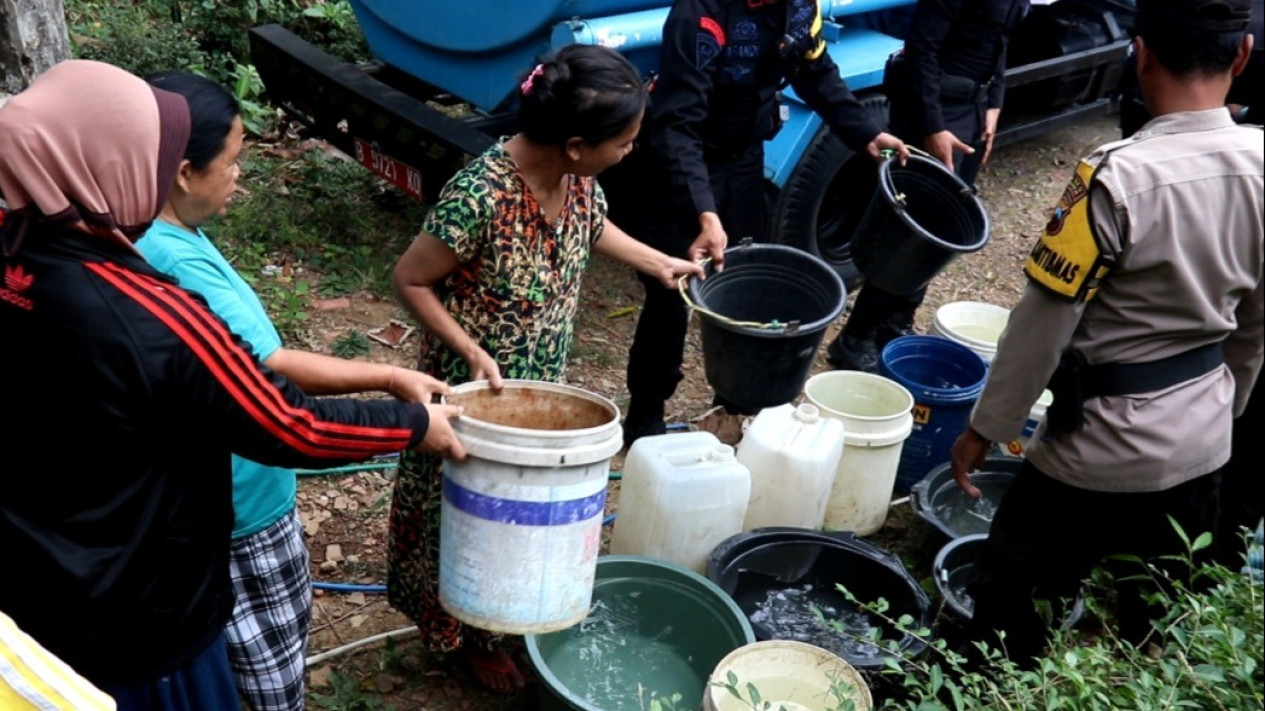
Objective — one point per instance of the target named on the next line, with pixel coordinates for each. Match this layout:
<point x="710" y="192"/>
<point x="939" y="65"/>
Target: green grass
<point x="312" y="224"/>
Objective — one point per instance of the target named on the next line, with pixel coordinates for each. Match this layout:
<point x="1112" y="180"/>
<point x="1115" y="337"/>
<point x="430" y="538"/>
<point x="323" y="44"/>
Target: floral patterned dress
<point x="515" y="291"/>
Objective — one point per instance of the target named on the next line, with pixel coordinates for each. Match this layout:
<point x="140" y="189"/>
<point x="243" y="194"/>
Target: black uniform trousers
<point x="879" y="313"/>
<point x="1048" y="536"/>
<point x="654" y="361"/>
<point x="1242" y="494"/>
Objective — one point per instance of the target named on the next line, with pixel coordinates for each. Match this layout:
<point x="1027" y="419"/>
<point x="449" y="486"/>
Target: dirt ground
<point x="345" y="515"/>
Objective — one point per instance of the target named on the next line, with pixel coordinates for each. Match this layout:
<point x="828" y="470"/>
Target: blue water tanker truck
<point x="443" y="85"/>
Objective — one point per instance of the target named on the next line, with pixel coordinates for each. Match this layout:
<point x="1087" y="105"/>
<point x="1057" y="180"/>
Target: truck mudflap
<point x="400" y="136"/>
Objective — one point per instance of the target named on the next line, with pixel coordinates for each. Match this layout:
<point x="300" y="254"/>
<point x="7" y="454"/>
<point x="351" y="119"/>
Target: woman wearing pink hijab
<point x="123" y="398"/>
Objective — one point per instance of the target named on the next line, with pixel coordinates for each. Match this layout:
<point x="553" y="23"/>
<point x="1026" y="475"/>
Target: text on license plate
<point x="398" y="173"/>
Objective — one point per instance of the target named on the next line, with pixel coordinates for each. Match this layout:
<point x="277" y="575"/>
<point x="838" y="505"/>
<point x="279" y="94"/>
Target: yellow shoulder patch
<point x="817" y="44"/>
<point x="1067" y="260"/>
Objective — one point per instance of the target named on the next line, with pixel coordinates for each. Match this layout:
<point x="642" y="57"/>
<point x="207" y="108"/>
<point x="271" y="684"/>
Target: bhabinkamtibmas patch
<point x="1067" y="259"/>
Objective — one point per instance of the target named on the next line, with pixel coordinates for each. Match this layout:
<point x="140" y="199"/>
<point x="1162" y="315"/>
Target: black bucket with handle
<point x="762" y="319"/>
<point x="920" y="218"/>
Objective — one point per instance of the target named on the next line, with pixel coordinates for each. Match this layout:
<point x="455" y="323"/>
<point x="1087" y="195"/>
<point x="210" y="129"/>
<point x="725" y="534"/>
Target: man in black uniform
<point x="714" y="105"/>
<point x="946" y="90"/>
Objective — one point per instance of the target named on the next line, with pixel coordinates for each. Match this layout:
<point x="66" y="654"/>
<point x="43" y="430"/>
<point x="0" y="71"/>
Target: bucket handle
<point x="898" y="199"/>
<point x="788" y="328"/>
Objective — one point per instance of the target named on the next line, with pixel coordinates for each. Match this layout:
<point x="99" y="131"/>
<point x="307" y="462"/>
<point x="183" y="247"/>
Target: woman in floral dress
<point x="494" y="279"/>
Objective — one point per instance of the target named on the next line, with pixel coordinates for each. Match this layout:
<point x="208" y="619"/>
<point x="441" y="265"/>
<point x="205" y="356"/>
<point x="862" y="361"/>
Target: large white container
<point x="681" y="495"/>
<point x="877" y="414"/>
<point x="975" y="324"/>
<point x="789" y="676"/>
<point x="792" y="453"/>
<point x="521" y="519"/>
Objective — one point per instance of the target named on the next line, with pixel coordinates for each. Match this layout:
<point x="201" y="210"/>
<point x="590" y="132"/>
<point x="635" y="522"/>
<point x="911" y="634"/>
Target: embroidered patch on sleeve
<point x="708" y="42"/>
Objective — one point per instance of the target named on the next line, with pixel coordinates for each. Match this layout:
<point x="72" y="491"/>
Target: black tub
<point x="938" y="499"/>
<point x="778" y="575"/>
<point x="952" y="572"/>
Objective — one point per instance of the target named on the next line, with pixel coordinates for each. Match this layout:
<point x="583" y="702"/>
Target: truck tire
<point x="825" y="197"/>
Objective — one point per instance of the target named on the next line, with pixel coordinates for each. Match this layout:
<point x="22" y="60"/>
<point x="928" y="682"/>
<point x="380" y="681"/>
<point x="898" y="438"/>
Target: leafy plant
<point x="1208" y="655"/>
<point x="840" y="690"/>
<point x="248" y="88"/>
<point x="351" y="344"/>
<point x="337" y="13"/>
<point x="658" y="702"/>
<point x="138" y="37"/>
<point x="346" y="695"/>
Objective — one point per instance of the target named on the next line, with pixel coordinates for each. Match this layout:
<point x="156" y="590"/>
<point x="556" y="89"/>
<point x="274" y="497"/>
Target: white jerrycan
<point x="792" y="454"/>
<point x="681" y="495"/>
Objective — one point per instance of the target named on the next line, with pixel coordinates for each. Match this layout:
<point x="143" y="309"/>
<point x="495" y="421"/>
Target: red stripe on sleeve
<point x="256" y="395"/>
<point x="242" y="363"/>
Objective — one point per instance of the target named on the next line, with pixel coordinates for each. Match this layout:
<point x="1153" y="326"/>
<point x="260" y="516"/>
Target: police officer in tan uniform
<point x="1143" y="314"/>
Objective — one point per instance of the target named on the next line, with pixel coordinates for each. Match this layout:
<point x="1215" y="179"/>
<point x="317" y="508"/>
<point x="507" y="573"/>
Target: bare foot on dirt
<point x="494" y="670"/>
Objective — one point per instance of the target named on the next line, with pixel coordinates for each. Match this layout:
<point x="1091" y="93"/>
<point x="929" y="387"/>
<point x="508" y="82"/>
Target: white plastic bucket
<point x="975" y="324"/>
<point x="877" y="415"/>
<point x="521" y="519"/>
<point x="788" y="675"/>
<point x="1017" y="446"/>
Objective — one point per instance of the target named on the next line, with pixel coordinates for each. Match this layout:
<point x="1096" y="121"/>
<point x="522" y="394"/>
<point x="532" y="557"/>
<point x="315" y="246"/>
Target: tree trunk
<point x="32" y="38"/>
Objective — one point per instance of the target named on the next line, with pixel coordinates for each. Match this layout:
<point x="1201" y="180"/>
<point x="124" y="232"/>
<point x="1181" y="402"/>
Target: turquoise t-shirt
<point x="261" y="494"/>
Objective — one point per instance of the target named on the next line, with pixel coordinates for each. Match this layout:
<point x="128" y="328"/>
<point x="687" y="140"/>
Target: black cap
<point x="1211" y="15"/>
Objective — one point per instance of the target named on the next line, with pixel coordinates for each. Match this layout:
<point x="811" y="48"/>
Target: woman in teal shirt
<point x="267" y="634"/>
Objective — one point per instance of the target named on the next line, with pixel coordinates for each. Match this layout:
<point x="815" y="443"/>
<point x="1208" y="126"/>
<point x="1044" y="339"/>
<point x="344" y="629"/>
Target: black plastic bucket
<point x="920" y="218"/>
<point x="763" y="318"/>
<point x="952" y="572"/>
<point x="780" y="576"/>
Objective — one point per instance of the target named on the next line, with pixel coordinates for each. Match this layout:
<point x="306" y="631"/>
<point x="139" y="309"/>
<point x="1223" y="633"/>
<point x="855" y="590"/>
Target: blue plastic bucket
<point x="945" y="379"/>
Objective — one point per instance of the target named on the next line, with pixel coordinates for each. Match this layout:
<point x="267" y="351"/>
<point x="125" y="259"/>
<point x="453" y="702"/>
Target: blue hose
<point x="348" y="587"/>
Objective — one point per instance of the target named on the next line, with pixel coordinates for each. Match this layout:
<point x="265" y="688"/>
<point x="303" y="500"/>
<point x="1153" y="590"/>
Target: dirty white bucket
<point x="521" y="519"/>
<point x="877" y="415"/>
<point x="975" y="324"/>
<point x="787" y="675"/>
<point x="1017" y="446"/>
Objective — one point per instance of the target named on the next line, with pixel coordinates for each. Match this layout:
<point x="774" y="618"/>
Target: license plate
<point x="398" y="173"/>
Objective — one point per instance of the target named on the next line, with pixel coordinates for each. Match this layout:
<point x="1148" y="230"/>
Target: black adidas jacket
<point x="123" y="397"/>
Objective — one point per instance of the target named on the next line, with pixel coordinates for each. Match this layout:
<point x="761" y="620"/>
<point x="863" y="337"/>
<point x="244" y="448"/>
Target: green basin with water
<point x="654" y="629"/>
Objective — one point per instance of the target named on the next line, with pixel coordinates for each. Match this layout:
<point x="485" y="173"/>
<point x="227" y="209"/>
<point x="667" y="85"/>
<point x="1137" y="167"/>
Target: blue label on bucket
<point x="523" y="513"/>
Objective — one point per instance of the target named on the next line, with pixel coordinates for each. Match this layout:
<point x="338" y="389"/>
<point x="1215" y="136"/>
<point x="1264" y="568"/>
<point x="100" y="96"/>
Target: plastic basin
<point x="781" y="576"/>
<point x="939" y="501"/>
<point x="952" y="572"/>
<point x="789" y="676"/>
<point x="655" y="629"/>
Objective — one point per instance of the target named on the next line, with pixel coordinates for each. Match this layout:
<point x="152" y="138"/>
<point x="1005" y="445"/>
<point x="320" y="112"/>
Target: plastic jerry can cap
<point x="721" y="453"/>
<point x="806" y="413"/>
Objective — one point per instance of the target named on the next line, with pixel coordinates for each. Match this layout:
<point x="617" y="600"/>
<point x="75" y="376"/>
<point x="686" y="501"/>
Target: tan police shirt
<point x="1179" y="208"/>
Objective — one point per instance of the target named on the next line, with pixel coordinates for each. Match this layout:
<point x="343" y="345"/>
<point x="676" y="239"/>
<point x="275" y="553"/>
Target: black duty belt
<point x="1075" y="381"/>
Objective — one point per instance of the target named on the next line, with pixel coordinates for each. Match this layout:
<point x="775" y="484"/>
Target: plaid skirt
<point x="272" y="611"/>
